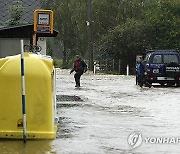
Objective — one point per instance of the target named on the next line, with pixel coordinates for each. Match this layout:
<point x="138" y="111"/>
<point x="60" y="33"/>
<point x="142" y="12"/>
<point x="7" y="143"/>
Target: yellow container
<point x="40" y="102"/>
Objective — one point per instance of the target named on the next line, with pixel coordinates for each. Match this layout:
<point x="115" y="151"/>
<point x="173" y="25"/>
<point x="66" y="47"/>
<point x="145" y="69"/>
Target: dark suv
<point x="162" y="66"/>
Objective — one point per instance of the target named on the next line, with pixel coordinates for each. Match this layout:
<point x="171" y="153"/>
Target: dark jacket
<point x="140" y="69"/>
<point x="82" y="67"/>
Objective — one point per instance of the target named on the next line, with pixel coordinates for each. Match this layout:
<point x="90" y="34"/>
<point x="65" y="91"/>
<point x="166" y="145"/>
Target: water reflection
<point x="31" y="147"/>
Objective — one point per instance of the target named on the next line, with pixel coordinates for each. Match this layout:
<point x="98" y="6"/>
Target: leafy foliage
<point x="121" y="28"/>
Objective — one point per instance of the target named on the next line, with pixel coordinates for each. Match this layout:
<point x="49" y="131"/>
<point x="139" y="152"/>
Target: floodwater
<point x="99" y="117"/>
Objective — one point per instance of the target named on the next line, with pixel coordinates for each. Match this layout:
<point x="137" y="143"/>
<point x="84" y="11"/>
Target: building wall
<point x="10" y="46"/>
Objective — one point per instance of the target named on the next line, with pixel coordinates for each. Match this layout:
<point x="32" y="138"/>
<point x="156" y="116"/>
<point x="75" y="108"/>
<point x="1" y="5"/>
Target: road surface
<point x="109" y="114"/>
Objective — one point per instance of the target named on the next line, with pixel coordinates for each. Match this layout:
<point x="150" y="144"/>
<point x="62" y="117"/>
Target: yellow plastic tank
<point x="40" y="100"/>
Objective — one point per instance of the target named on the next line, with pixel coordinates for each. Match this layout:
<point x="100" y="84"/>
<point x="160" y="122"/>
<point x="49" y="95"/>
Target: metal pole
<point x="119" y="66"/>
<point x="113" y="65"/>
<point x="94" y="68"/>
<point x="23" y="91"/>
<point x="34" y="39"/>
<point x="127" y="70"/>
<point x="90" y="35"/>
<point x="106" y="65"/>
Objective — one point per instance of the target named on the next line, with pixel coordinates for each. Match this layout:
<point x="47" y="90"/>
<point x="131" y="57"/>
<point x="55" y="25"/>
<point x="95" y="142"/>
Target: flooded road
<point x="101" y="116"/>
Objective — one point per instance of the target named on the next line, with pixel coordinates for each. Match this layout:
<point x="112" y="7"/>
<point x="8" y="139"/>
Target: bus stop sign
<point x="43" y="21"/>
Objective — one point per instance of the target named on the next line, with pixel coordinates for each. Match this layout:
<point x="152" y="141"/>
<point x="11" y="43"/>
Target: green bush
<point x="57" y="63"/>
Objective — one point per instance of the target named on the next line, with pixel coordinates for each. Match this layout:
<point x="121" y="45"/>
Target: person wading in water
<point x="80" y="67"/>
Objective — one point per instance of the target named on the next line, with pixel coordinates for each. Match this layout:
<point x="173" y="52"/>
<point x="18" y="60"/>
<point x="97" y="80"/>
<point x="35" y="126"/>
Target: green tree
<point x="124" y="42"/>
<point x="70" y="21"/>
<point x="121" y="28"/>
<point x="163" y="25"/>
<point x="157" y="26"/>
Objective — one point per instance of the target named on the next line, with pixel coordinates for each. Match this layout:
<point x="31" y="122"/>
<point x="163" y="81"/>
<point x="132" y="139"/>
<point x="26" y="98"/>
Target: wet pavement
<point x="109" y="114"/>
<point x="113" y="107"/>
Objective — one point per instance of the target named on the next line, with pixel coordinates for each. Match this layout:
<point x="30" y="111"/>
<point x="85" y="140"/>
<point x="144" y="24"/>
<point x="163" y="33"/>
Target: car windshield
<point x="170" y="58"/>
<point x="157" y="59"/>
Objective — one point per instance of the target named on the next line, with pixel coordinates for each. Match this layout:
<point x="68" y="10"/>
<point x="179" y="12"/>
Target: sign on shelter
<point x="43" y="21"/>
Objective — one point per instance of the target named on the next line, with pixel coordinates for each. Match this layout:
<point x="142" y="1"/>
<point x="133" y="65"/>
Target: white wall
<point x="42" y="42"/>
<point x="11" y="46"/>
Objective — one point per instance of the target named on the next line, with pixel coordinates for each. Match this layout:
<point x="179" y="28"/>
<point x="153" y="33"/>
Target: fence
<point x="108" y="66"/>
<point x="112" y="66"/>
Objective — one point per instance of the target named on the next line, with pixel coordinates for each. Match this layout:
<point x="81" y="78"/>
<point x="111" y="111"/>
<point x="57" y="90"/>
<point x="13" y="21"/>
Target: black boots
<point x="77" y="84"/>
